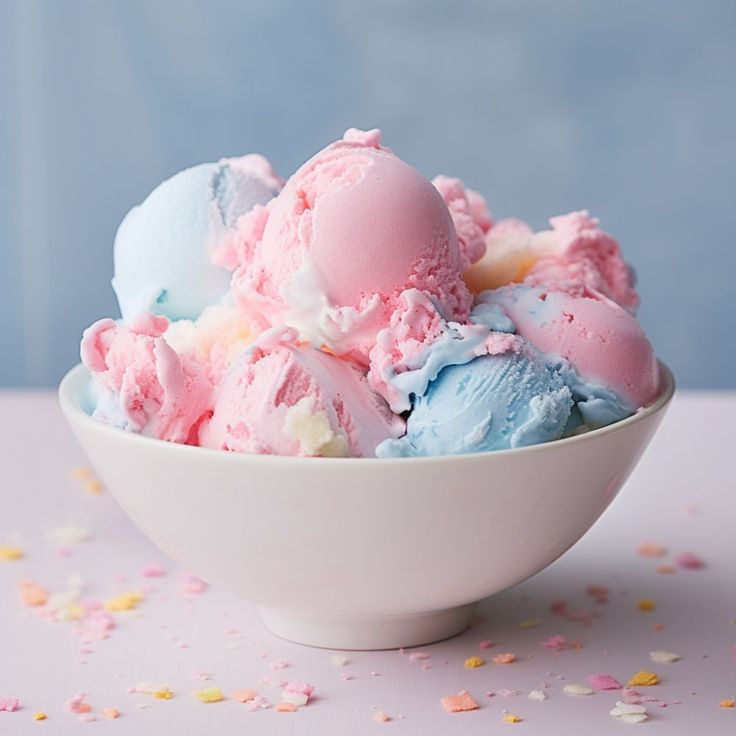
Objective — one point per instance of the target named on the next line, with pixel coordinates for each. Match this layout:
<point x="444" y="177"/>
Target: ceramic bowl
<point x="364" y="553"/>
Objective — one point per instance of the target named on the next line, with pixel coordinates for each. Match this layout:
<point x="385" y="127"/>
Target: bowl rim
<point x="69" y="394"/>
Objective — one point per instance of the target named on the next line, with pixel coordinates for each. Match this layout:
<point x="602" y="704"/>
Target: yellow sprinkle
<point x="40" y="716"/>
<point x="123" y="602"/>
<point x="72" y="612"/>
<point x="511" y="718"/>
<point x="473" y="662"/>
<point x="163" y="694"/>
<point x="728" y="703"/>
<point x="93" y="486"/>
<point x="81" y="472"/>
<point x="644" y="678"/>
<point x="10" y="553"/>
<point x="646" y="604"/>
<point x="209" y="695"/>
<point x="530" y="623"/>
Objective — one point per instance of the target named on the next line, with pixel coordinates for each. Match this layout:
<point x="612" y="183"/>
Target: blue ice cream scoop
<point x="163" y="247"/>
<point x="494" y="402"/>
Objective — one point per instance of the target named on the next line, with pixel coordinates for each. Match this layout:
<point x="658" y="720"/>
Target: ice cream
<point x="573" y="255"/>
<point x="360" y="311"/>
<point x="352" y="229"/>
<point x="141" y="384"/>
<point x="494" y="402"/>
<point x="280" y="398"/>
<point x="163" y="248"/>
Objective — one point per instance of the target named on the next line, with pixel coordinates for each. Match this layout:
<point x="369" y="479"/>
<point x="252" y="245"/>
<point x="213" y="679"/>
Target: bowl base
<point x="367" y="632"/>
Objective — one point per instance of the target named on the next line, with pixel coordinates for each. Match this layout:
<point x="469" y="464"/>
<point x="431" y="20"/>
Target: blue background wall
<point x="624" y="107"/>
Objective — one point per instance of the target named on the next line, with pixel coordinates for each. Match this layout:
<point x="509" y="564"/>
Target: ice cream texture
<point x="359" y="310"/>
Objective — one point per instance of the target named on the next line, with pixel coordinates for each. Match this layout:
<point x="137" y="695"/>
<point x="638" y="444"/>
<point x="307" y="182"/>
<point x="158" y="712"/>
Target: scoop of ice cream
<point x="418" y="344"/>
<point x="140" y="384"/>
<point x="574" y="255"/>
<point x="282" y="399"/>
<point x="470" y="216"/>
<point x="164" y="247"/>
<point x="494" y="402"/>
<point x="615" y="368"/>
<point x="352" y="229"/>
<point x="217" y="337"/>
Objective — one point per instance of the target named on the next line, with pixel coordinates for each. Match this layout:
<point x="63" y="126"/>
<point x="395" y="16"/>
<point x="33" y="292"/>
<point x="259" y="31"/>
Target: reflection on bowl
<point x="364" y="553"/>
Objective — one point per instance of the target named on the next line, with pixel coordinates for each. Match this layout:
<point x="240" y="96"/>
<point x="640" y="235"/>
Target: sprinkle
<point x="273" y="680"/>
<point x="202" y="675"/>
<point x="93" y="485"/>
<point x="555" y="643"/>
<point x="486" y="644"/>
<point x="644" y="678"/>
<point x="67" y="534"/>
<point x="473" y="662"/>
<point x="511" y="718"/>
<point x="257" y="703"/>
<point x="646" y="604"/>
<point x="345" y="677"/>
<point x="9" y="705"/>
<point x="278" y="664"/>
<point x="651" y="549"/>
<point x="629" y="712"/>
<point x="9" y="553"/>
<point x="81" y="472"/>
<point x="577" y="690"/>
<point x="123" y="602"/>
<point x="39" y="716"/>
<point x="599" y="593"/>
<point x="161" y="692"/>
<point x="111" y="713"/>
<point x="505" y="658"/>
<point x="530" y="623"/>
<point x="418" y="656"/>
<point x="463" y="701"/>
<point x="665" y="569"/>
<point x="191" y="584"/>
<point x="209" y="695"/>
<point x="286" y="708"/>
<point x="689" y="561"/>
<point x="381" y="716"/>
<point x="338" y="660"/>
<point x="727" y="703"/>
<point x="575" y="644"/>
<point x="505" y="692"/>
<point x="538" y="695"/>
<point x="77" y="704"/>
<point x="153" y="571"/>
<point x="663" y="657"/>
<point x="87" y="717"/>
<point x="297" y="693"/>
<point x="604" y="682"/>
<point x="244" y="695"/>
<point x="32" y="594"/>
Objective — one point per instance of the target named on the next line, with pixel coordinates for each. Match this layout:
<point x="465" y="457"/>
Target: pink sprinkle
<point x="87" y="717"/>
<point x="604" y="682"/>
<point x="344" y="676"/>
<point x="490" y="693"/>
<point x="300" y="688"/>
<point x="257" y="703"/>
<point x="556" y="642"/>
<point x="9" y="705"/>
<point x="76" y="704"/>
<point x="200" y="674"/>
<point x="63" y="551"/>
<point x="426" y="666"/>
<point x="153" y="571"/>
<point x="191" y="584"/>
<point x="486" y="644"/>
<point x="689" y="561"/>
<point x="182" y="645"/>
<point x="416" y="656"/>
<point x="274" y="680"/>
<point x="278" y="664"/>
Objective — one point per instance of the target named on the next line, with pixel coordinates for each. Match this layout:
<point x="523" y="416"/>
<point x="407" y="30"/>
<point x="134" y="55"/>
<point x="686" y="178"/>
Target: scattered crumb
<point x="577" y="690"/>
<point x="77" y="704"/>
<point x="538" y="695"/>
<point x="651" y="549"/>
<point x="727" y="703"/>
<point x="646" y="604"/>
<point x="511" y="718"/>
<point x="111" y="713"/>
<point x="243" y="695"/>
<point x="209" y="695"/>
<point x="459" y="703"/>
<point x="555" y="643"/>
<point x="286" y="708"/>
<point x="338" y="660"/>
<point x="153" y="571"/>
<point x="474" y="662"/>
<point x="68" y="534"/>
<point x="504" y="658"/>
<point x="32" y="594"/>
<point x="278" y="664"/>
<point x="530" y="623"/>
<point x="123" y="602"/>
<point x="418" y="656"/>
<point x="644" y="678"/>
<point x="381" y="716"/>
<point x="663" y="657"/>
<point x="604" y="682"/>
<point x="665" y="569"/>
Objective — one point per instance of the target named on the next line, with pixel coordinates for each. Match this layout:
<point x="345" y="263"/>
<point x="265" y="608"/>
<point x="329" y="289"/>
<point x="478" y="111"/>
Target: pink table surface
<point x="682" y="496"/>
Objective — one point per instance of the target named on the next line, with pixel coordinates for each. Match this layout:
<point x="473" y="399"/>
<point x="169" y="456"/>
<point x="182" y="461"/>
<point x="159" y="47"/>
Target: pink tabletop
<point x="682" y="499"/>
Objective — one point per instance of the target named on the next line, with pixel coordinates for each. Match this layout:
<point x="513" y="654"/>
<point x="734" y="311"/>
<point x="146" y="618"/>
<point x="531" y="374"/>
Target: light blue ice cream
<point x="163" y="247"/>
<point x="494" y="402"/>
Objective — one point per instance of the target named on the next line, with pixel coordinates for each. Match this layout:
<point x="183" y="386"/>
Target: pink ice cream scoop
<point x="352" y="229"/>
<point x="602" y="341"/>
<point x="574" y="255"/>
<point x="141" y="384"/>
<point x="282" y="399"/>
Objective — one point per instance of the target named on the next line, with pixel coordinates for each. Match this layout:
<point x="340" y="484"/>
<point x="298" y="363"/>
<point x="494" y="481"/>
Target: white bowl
<point x="364" y="553"/>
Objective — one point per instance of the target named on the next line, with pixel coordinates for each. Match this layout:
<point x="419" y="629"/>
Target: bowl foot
<point x="367" y="632"/>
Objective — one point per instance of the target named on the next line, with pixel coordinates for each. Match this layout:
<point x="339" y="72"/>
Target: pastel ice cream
<point x="495" y="402"/>
<point x="140" y="384"/>
<point x="574" y="255"/>
<point x="615" y="370"/>
<point x="164" y="248"/>
<point x="352" y="229"/>
<point x="281" y="398"/>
